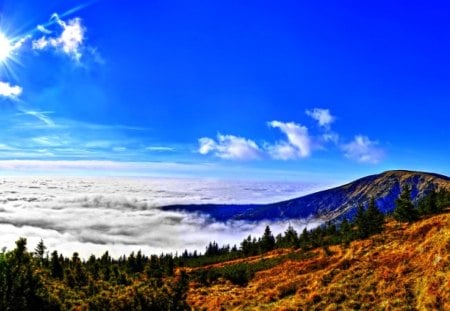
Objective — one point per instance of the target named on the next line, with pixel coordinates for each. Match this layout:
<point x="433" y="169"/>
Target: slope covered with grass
<point x="406" y="267"/>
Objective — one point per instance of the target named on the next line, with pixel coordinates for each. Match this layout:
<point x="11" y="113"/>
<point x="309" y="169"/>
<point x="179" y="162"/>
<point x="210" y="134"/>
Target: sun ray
<point x="9" y="57"/>
<point x="6" y="48"/>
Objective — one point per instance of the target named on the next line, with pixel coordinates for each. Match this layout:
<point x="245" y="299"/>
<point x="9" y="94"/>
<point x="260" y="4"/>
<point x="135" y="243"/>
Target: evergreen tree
<point x="21" y="288"/>
<point x="428" y="204"/>
<point x="40" y="250"/>
<point x="361" y="222"/>
<point x="56" y="268"/>
<point x="374" y="218"/>
<point x="331" y="228"/>
<point x="267" y="240"/>
<point x="246" y="246"/>
<point x="140" y="259"/>
<point x="291" y="237"/>
<point x="304" y="239"/>
<point x="442" y="199"/>
<point x="212" y="249"/>
<point x="405" y="210"/>
<point x="345" y="232"/>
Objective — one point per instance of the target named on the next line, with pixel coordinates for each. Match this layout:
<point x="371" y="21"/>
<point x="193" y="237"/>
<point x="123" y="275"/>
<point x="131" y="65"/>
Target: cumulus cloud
<point x="282" y="151"/>
<point x="206" y="145"/>
<point x="8" y="90"/>
<point x="70" y="41"/>
<point x="92" y="215"/>
<point x="298" y="144"/>
<point x="230" y="147"/>
<point x="363" y="150"/>
<point x="323" y="116"/>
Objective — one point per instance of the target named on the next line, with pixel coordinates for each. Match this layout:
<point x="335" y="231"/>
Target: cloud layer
<point x="92" y="215"/>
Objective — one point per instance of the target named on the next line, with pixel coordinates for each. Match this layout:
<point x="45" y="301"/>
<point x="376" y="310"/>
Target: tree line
<point x="35" y="280"/>
<point x="368" y="220"/>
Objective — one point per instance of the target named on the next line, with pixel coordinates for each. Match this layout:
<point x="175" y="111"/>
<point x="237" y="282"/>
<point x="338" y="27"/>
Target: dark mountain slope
<point x="332" y="203"/>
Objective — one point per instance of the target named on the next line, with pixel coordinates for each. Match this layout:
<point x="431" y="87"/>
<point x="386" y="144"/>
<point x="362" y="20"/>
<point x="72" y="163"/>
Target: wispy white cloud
<point x="98" y="166"/>
<point x="4" y="147"/>
<point x="103" y="144"/>
<point x="230" y="147"/>
<point x="20" y="42"/>
<point x="298" y="144"/>
<point x="8" y="90"/>
<point x="44" y="30"/>
<point x="70" y="41"/>
<point x="323" y="116"/>
<point x="331" y="136"/>
<point x="363" y="150"/>
<point x="50" y="141"/>
<point x="160" y="149"/>
<point x="119" y="149"/>
<point x="324" y="119"/>
<point x="42" y="116"/>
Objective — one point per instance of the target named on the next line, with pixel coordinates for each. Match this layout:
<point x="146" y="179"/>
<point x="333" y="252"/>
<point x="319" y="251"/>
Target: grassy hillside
<point x="406" y="267"/>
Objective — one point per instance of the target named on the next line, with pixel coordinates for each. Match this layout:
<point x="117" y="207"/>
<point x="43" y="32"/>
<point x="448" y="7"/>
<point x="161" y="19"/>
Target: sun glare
<point x="5" y="47"/>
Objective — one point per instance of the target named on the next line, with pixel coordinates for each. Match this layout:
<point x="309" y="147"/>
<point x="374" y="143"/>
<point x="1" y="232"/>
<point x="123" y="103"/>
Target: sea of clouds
<point x="120" y="215"/>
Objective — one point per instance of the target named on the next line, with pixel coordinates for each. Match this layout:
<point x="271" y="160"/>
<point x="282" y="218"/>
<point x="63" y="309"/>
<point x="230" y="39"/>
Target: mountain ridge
<point x="336" y="202"/>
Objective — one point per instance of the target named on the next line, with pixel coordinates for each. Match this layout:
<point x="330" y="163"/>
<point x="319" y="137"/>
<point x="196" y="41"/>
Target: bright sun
<point x="5" y="47"/>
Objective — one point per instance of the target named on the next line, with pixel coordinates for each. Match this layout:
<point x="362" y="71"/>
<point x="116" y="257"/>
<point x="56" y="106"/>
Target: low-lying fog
<point x="92" y="215"/>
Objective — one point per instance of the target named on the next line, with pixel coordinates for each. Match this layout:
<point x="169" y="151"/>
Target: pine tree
<point x="428" y="204"/>
<point x="56" y="268"/>
<point x="362" y="223"/>
<point x="290" y="238"/>
<point x="40" y="250"/>
<point x="442" y="199"/>
<point x="345" y="232"/>
<point x="304" y="239"/>
<point x="267" y="240"/>
<point x="246" y="246"/>
<point x="405" y="210"/>
<point x="374" y="218"/>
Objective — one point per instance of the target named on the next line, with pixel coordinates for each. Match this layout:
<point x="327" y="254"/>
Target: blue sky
<point x="249" y="90"/>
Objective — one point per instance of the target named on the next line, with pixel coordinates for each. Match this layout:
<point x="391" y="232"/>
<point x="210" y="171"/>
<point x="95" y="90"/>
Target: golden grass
<point x="407" y="267"/>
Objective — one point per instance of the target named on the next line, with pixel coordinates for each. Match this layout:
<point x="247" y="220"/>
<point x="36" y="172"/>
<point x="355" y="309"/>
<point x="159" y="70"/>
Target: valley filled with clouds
<point x="120" y="215"/>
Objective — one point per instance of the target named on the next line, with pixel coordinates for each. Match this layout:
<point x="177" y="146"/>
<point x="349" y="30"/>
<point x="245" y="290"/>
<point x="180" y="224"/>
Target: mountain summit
<point x="332" y="203"/>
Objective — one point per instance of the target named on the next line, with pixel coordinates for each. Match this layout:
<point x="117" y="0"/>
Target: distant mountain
<point x="332" y="203"/>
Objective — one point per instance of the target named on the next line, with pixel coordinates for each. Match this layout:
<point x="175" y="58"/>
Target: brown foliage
<point x="406" y="267"/>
